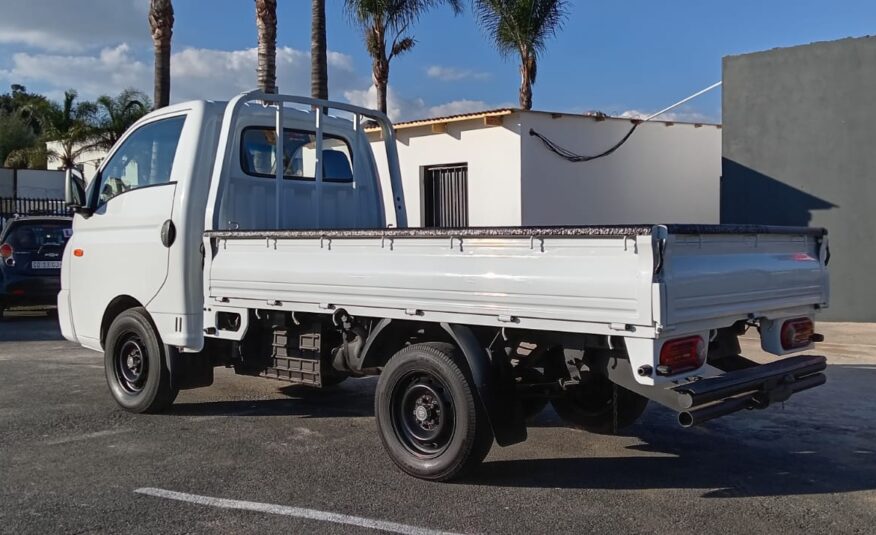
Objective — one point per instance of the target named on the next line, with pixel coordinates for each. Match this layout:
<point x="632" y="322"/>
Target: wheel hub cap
<point x="423" y="415"/>
<point x="131" y="365"/>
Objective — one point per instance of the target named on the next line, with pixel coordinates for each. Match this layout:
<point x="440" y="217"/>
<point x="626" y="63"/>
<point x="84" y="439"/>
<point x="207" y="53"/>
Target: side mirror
<point x="74" y="192"/>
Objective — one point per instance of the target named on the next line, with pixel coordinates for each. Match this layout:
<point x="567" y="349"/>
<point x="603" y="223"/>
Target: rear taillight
<point x="682" y="355"/>
<point x="797" y="333"/>
<point x="6" y="250"/>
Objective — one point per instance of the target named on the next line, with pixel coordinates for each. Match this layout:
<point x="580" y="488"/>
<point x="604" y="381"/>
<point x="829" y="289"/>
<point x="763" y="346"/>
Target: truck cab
<point x="151" y="193"/>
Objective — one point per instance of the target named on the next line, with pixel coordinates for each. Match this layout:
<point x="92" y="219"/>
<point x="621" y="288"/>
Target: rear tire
<point x="136" y="365"/>
<point x="590" y="405"/>
<point x="532" y="406"/>
<point x="430" y="419"/>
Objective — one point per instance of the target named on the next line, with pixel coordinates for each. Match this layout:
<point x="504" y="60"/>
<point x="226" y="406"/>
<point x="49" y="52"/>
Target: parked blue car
<point x="31" y="249"/>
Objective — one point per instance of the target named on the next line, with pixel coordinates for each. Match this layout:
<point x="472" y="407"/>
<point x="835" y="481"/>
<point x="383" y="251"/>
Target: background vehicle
<point x="31" y="249"/>
<point x="197" y="246"/>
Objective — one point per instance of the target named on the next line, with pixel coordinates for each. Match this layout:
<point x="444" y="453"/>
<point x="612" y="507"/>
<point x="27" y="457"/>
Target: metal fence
<point x="28" y="206"/>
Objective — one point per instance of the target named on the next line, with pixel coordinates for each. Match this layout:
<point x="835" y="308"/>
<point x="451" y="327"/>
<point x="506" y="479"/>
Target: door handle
<point x="168" y="233"/>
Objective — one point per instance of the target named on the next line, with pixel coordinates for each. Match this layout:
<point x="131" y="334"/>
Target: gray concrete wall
<point x="798" y="149"/>
<point x="41" y="184"/>
<point x="32" y="183"/>
<point x="7" y="186"/>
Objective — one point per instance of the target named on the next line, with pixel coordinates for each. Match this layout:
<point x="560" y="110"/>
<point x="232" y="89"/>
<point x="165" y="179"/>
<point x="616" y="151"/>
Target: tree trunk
<point x="380" y="68"/>
<point x="161" y="23"/>
<point x="318" y="60"/>
<point x="526" y="66"/>
<point x="266" y="22"/>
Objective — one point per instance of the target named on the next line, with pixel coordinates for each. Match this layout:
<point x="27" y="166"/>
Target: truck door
<point x="118" y="252"/>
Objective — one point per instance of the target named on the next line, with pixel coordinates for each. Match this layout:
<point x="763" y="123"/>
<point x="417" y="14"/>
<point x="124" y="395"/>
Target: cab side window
<point x="144" y="159"/>
<point x="258" y="155"/>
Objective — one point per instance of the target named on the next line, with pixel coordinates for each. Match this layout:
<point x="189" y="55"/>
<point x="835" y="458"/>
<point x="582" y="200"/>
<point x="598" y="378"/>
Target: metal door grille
<point x="445" y="192"/>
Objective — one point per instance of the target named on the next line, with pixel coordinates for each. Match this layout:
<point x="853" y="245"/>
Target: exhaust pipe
<point x="697" y="416"/>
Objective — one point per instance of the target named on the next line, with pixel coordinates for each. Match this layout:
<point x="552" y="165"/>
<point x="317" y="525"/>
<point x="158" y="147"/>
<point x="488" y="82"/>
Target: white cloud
<point x="453" y="74"/>
<point x="67" y="26"/>
<point x="458" y="107"/>
<point x="400" y="108"/>
<point x="202" y="73"/>
<point x="196" y="73"/>
<point x="111" y="70"/>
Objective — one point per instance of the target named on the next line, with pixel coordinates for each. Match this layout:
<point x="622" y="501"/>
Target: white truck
<point x="196" y="246"/>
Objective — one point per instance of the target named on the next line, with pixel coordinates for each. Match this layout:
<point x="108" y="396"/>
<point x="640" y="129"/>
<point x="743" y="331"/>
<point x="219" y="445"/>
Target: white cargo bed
<point x="638" y="280"/>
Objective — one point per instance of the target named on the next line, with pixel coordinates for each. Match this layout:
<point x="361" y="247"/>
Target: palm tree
<point x="522" y="27"/>
<point x="266" y="21"/>
<point x="116" y="115"/>
<point x="385" y="24"/>
<point x="71" y="124"/>
<point x="318" y="60"/>
<point x="161" y="22"/>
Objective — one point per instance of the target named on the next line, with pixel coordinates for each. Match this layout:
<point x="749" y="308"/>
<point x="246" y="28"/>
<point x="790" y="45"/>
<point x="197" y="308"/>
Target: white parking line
<point x="311" y="514"/>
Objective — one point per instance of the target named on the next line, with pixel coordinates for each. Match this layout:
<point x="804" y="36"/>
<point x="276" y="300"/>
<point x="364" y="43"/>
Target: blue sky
<point x="613" y="56"/>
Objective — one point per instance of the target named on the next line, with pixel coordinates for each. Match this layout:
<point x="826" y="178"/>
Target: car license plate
<point x="45" y="264"/>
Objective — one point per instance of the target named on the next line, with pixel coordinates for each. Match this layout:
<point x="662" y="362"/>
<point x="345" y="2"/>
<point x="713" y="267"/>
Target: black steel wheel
<point x="430" y="419"/>
<point x="135" y="364"/>
<point x="131" y="362"/>
<point x="422" y="414"/>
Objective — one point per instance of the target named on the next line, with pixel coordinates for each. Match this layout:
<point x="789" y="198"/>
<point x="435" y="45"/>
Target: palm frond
<point x="521" y="25"/>
<point x="401" y="46"/>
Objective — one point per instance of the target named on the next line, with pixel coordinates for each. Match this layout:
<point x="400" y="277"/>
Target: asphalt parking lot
<point x="249" y="455"/>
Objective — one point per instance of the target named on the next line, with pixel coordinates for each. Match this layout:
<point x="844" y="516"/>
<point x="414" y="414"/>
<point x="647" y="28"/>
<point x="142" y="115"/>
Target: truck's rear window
<point x="24" y="237"/>
<point x="258" y="155"/>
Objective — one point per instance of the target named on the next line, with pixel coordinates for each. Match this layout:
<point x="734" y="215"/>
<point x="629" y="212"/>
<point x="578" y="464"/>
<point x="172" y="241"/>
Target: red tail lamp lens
<point x="5" y="250"/>
<point x="797" y="333"/>
<point x="682" y="355"/>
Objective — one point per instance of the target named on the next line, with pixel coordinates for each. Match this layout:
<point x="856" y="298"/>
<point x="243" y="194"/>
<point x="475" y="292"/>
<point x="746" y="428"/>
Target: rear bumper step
<point x="752" y="388"/>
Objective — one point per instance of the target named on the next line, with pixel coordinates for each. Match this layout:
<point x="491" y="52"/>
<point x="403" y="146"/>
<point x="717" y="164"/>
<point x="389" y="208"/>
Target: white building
<point x="87" y="162"/>
<point x="485" y="169"/>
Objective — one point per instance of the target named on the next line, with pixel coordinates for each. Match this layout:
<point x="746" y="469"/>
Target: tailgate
<point x="706" y="276"/>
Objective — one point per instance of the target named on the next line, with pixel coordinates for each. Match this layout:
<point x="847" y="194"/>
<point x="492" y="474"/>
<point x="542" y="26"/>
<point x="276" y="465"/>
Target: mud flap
<point x="188" y="370"/>
<point x="495" y="387"/>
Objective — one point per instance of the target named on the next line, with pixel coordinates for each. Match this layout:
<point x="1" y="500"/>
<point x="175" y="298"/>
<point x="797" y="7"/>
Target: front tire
<point x="431" y="422"/>
<point x="135" y="364"/>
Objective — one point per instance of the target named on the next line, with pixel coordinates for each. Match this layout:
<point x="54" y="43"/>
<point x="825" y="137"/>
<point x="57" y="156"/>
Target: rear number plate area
<point x="45" y="264"/>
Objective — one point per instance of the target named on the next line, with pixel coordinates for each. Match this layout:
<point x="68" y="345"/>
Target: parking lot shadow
<point x="764" y="454"/>
<point x="353" y="398"/>
<point x="29" y="327"/>
<point x="734" y="473"/>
